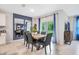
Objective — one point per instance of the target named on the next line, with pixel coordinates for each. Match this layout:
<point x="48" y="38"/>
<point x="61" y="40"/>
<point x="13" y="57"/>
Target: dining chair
<point x="46" y="42"/>
<point x="38" y="32"/>
<point x="43" y="33"/>
<point x="30" y="40"/>
<point x="25" y="39"/>
<point x="41" y="39"/>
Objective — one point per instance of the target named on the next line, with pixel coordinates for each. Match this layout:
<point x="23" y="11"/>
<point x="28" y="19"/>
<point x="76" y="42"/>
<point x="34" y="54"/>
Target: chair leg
<point x="32" y="48"/>
<point x="50" y="48"/>
<point x="28" y="45"/>
<point x="24" y="42"/>
<point x="45" y="50"/>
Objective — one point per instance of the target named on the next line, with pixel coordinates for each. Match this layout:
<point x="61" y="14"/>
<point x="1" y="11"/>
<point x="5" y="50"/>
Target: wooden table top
<point x="38" y="36"/>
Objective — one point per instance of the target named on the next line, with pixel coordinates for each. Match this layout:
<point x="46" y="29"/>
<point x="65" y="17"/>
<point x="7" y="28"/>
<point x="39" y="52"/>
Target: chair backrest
<point x="38" y="32"/>
<point x="25" y="36"/>
<point x="22" y="31"/>
<point x="48" y="38"/>
<point x="29" y="36"/>
<point x="43" y="32"/>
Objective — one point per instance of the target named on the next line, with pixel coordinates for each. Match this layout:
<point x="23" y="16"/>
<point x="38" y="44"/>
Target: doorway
<point x="20" y="24"/>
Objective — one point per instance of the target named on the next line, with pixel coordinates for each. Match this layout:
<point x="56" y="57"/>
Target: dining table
<point x="38" y="37"/>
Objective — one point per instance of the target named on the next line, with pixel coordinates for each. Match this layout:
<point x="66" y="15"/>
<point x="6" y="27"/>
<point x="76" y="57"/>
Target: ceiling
<point x="34" y="10"/>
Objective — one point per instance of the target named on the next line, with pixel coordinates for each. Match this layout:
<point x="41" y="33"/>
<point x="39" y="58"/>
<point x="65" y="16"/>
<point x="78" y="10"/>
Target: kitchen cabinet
<point x="2" y="38"/>
<point x="2" y="19"/>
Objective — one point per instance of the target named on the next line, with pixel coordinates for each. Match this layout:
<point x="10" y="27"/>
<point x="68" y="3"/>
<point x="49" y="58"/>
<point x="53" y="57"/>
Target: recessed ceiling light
<point x="32" y="10"/>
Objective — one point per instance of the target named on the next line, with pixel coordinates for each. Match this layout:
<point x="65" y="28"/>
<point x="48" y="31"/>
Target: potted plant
<point x="34" y="28"/>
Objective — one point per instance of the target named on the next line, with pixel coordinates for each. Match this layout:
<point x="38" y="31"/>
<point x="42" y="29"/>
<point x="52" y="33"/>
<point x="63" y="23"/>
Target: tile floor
<point x="72" y="49"/>
<point x="18" y="48"/>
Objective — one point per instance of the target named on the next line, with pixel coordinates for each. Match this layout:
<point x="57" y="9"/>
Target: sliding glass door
<point x="47" y="24"/>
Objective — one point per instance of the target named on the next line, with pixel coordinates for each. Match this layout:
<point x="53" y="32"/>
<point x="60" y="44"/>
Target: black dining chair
<point x="41" y="39"/>
<point x="30" y="40"/>
<point x="25" y="39"/>
<point x="46" y="42"/>
<point x="43" y="33"/>
<point x="38" y="32"/>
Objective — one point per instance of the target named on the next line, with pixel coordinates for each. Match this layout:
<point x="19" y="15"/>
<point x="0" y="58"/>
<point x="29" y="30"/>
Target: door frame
<point x="20" y="17"/>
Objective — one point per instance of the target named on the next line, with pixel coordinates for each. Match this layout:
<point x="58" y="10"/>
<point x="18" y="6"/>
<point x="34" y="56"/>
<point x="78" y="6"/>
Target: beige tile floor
<point x="18" y="48"/>
<point x="72" y="49"/>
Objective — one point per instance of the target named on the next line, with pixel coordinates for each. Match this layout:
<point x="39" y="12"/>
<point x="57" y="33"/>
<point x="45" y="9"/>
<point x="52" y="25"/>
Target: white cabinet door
<point x="2" y="19"/>
<point x="3" y="39"/>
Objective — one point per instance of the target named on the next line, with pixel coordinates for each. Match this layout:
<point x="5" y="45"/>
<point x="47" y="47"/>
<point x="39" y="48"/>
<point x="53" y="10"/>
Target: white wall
<point x="9" y="27"/>
<point x="60" y="25"/>
<point x="71" y="23"/>
<point x="73" y="26"/>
